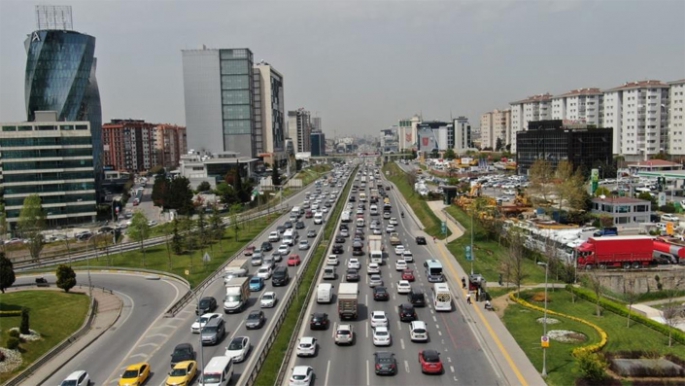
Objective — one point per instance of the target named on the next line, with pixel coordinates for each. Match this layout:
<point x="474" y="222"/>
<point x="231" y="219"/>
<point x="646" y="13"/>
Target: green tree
<point x="498" y="144"/>
<point x="275" y="176"/>
<point x="541" y="181"/>
<point x="204" y="186"/>
<point x="7" y="277"/>
<point x="176" y="239"/>
<point x="168" y="231"/>
<point x="512" y="267"/>
<point x="139" y="231"/>
<point x="569" y="186"/>
<point x="648" y="197"/>
<point x="31" y="223"/>
<point x="235" y="217"/>
<point x="449" y="154"/>
<point x="180" y="196"/>
<point x="66" y="277"/>
<point x="24" y="326"/>
<point x="160" y="191"/>
<point x="592" y="366"/>
<point x="201" y="227"/>
<point x="227" y="193"/>
<point x="216" y="225"/>
<point x="602" y="191"/>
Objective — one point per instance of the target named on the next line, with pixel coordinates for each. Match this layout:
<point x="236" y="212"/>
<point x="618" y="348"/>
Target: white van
<point x="218" y="372"/>
<point x="318" y="218"/>
<point x="296" y="211"/>
<point x="376" y="257"/>
<point x="360" y="222"/>
<point x="324" y="293"/>
<point x="329" y="272"/>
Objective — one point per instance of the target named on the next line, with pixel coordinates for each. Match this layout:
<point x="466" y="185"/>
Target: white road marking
<point x="334" y="329"/>
<point x="368" y="375"/>
<point x="449" y="359"/>
<point x="435" y="319"/>
<point x="328" y="370"/>
<point x="402" y="344"/>
<point x="406" y="365"/>
<point x="138" y="355"/>
<point x="156" y="335"/>
<point x="399" y="325"/>
<point x="394" y="297"/>
<point x="148" y="344"/>
<point x="440" y="333"/>
<point x="451" y="368"/>
<point x="367" y="330"/>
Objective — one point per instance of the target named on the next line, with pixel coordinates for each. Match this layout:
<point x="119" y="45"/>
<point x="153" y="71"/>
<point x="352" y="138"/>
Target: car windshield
<point x="204" y="303"/>
<point x="299" y="377"/>
<point x="237" y="344"/>
<point x="178" y="372"/>
<point x="211" y="378"/>
<point x="203" y="320"/>
<point x="381" y="333"/>
<point x="267" y="297"/>
<point x="343" y="332"/>
<point x="385" y="360"/>
<point x="130" y="374"/>
<point x="253" y="316"/>
<point x="431" y="357"/>
<point x="255" y="281"/>
<point x="233" y="298"/>
<point x="69" y="383"/>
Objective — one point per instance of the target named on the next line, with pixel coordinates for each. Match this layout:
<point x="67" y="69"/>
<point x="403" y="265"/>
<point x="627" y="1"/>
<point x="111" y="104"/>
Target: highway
<point x="464" y="360"/>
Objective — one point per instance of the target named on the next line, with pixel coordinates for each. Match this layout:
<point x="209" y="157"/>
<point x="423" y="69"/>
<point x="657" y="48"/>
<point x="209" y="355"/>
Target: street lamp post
<point x="544" y="323"/>
<point x="202" y="351"/>
<point x="473" y="255"/>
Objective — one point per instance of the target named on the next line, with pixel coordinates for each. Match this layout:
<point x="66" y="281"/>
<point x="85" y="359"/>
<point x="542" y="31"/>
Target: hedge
<point x="10" y="313"/>
<point x="620" y="309"/>
<point x="578" y="350"/>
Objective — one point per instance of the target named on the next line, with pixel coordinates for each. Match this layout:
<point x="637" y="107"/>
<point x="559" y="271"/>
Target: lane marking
<point x="406" y="366"/>
<point x="451" y="368"/>
<point x="334" y="329"/>
<point x="328" y="371"/>
<point x="148" y="344"/>
<point x="402" y="344"/>
<point x="399" y="325"/>
<point x="368" y="375"/>
<point x="439" y="332"/>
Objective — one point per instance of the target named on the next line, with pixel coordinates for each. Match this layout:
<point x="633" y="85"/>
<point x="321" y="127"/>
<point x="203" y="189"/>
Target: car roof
<point x="183" y="365"/>
<point x="137" y="366"/>
<point x="301" y="370"/>
<point x="75" y="375"/>
<point x="404" y="282"/>
<point x="418" y="324"/>
<point x="431" y="353"/>
<point x="345" y="327"/>
<point x="183" y="346"/>
<point x="380" y="328"/>
<point x="307" y="339"/>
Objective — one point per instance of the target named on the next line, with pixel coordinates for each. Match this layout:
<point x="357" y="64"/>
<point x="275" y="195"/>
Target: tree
<point x="275" y="176"/>
<point x="602" y="191"/>
<point x="66" y="277"/>
<point x="160" y="191"/>
<point x="201" y="226"/>
<point x="449" y="154"/>
<point x="227" y="193"/>
<point x="24" y="326"/>
<point x="569" y="186"/>
<point x="541" y="181"/>
<point x="3" y="226"/>
<point x="513" y="264"/>
<point x="235" y="216"/>
<point x="498" y="144"/>
<point x="204" y="186"/>
<point x="216" y="225"/>
<point x="630" y="296"/>
<point x="31" y="223"/>
<point x="648" y="197"/>
<point x="7" y="277"/>
<point x="168" y="231"/>
<point x="671" y="312"/>
<point x="180" y="196"/>
<point x="176" y="239"/>
<point x="592" y="281"/>
<point x="139" y="230"/>
<point x="411" y="180"/>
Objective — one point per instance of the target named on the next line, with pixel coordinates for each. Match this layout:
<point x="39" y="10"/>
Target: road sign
<point x="544" y="341"/>
<point x="206" y="258"/>
<point x="467" y="250"/>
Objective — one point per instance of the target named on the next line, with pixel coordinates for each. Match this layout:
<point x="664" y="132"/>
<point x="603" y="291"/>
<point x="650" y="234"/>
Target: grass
<point x="274" y="359"/>
<point x="158" y="258"/>
<point x="55" y="315"/>
<point x="520" y="322"/>
<point x="488" y="253"/>
<point x="432" y="225"/>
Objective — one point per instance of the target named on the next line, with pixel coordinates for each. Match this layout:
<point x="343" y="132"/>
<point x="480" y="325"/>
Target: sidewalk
<point x="498" y="344"/>
<point x="108" y="311"/>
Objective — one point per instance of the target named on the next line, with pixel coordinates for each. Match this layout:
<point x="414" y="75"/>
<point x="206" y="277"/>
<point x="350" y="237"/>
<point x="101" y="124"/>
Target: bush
<point x="13" y="343"/>
<point x="24" y="326"/>
<point x="13" y="333"/>
<point x="592" y="366"/>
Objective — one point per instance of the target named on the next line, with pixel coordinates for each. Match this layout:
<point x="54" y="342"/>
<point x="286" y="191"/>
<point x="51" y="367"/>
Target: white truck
<point x="376" y="249"/>
<point x="238" y="267"/>
<point x="346" y="216"/>
<point x="324" y="293"/>
<point x="237" y="294"/>
<point x="348" y="305"/>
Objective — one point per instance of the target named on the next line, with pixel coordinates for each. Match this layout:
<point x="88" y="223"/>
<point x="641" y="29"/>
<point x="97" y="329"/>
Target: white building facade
<point x="300" y="130"/>
<point x="495" y="125"/>
<point x="534" y="108"/>
<point x="579" y="106"/>
<point x="676" y="118"/>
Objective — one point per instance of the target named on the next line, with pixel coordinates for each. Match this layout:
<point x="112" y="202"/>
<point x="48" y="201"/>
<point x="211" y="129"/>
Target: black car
<point x="266" y="246"/>
<point x="359" y="232"/>
<point x="416" y="298"/>
<point x="255" y="319"/>
<point x="288" y="224"/>
<point x="357" y="248"/>
<point x="344" y="226"/>
<point x="207" y="304"/>
<point x="420" y="240"/>
<point x="339" y="239"/>
<point x="338" y="249"/>
<point x="182" y="352"/>
<point x="352" y="275"/>
<point x="318" y="321"/>
<point x="385" y="363"/>
<point x="406" y="312"/>
<point x="380" y="293"/>
<point x="299" y="225"/>
<point x="352" y="199"/>
<point x="281" y="229"/>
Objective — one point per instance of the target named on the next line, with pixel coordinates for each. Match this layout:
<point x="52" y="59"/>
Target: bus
<point x="434" y="271"/>
<point x="442" y="299"/>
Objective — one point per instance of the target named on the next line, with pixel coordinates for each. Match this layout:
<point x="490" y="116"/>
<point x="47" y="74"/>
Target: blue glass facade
<point x="318" y="141"/>
<point x="60" y="76"/>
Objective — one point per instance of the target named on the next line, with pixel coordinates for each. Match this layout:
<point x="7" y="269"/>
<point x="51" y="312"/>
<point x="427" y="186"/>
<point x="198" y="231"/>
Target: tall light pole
<point x="544" y="323"/>
<point x="197" y="299"/>
<point x="473" y="255"/>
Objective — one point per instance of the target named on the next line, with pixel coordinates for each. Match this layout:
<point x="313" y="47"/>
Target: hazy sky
<point x="363" y="65"/>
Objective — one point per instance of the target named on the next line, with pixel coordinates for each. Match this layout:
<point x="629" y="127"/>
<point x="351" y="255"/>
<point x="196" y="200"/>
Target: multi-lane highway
<point x="462" y="355"/>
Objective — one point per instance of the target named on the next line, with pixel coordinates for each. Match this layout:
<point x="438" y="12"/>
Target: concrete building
<point x="129" y="145"/>
<point x="300" y="130"/>
<point x="463" y="137"/>
<point x="318" y="141"/>
<point x="408" y="133"/>
<point x="625" y="211"/>
<point x="269" y="114"/>
<point x="495" y="128"/>
<point x="213" y="168"/>
<point x="170" y="143"/>
<point x="53" y="159"/>
<point x="534" y="108"/>
<point x="389" y="140"/>
<point x="316" y="124"/>
<point x="676" y="118"/>
<point x="435" y="135"/>
<point x="583" y="106"/>
<point x="218" y="87"/>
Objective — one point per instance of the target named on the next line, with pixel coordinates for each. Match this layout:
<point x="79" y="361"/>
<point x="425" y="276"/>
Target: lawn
<point x="488" y="253"/>
<point x="520" y="322"/>
<point x="432" y="224"/>
<point x="158" y="258"/>
<point x="54" y="315"/>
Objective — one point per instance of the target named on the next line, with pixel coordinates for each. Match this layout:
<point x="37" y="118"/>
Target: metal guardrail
<point x="19" y="378"/>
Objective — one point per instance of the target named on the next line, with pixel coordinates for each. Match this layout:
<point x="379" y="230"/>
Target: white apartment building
<point x="637" y="111"/>
<point x="463" y="139"/>
<point x="534" y="108"/>
<point x="583" y="105"/>
<point x="495" y="125"/>
<point x="300" y="130"/>
<point x="676" y="120"/>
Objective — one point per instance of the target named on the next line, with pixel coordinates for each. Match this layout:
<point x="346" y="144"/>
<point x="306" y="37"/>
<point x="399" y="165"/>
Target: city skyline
<point x="391" y="56"/>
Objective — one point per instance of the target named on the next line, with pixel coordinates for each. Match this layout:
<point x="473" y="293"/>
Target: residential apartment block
<point x="495" y="128"/>
<point x="171" y="143"/>
<point x="463" y="137"/>
<point x="676" y="121"/>
<point x="534" y="108"/>
<point x="300" y="130"/>
<point x="579" y="106"/>
<point x="129" y="145"/>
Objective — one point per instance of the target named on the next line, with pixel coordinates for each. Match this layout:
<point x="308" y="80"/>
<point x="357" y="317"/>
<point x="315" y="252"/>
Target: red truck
<point x="616" y="251"/>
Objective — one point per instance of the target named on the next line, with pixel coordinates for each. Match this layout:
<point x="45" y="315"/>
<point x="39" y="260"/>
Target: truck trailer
<point x="348" y="295"/>
<point x="616" y="251"/>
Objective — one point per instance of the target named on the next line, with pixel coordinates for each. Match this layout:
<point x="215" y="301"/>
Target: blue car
<point x="256" y="284"/>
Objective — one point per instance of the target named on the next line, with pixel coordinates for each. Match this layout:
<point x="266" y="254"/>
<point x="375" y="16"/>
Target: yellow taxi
<point x="135" y="375"/>
<point x="182" y="374"/>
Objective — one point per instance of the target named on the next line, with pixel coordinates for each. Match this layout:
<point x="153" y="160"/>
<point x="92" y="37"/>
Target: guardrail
<point x="19" y="378"/>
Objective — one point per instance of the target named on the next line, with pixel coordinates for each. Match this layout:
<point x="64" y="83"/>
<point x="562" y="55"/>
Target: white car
<point x="268" y="300"/>
<point x="344" y="334"/>
<point x="315" y="206"/>
<point x="304" y="245"/>
<point x="274" y="237"/>
<point x="301" y="376"/>
<point x="393" y="221"/>
<point x="324" y="209"/>
<point x="418" y="331"/>
<point x="408" y="256"/>
<point x="264" y="272"/>
<point x="373" y="268"/>
<point x="332" y="260"/>
<point x="77" y="378"/>
<point x="306" y="347"/>
<point x="375" y="280"/>
<point x="354" y="263"/>
<point x="386" y="215"/>
<point x="201" y="321"/>
<point x="400" y="265"/>
<point x="284" y="249"/>
<point x="390" y="228"/>
<point x="377" y="231"/>
<point x="403" y="287"/>
<point x="238" y="348"/>
<point x="399" y="249"/>
<point x="381" y="336"/>
<point x="379" y="319"/>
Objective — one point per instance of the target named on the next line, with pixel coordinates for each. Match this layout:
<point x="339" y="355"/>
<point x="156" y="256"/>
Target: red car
<point x="294" y="260"/>
<point x="249" y="250"/>
<point x="308" y="214"/>
<point x="408" y="275"/>
<point x="430" y="362"/>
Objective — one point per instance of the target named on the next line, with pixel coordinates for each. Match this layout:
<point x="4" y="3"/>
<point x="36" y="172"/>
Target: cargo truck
<point x="375" y="244"/>
<point x="616" y="251"/>
<point x="238" y="267"/>
<point x="237" y="294"/>
<point x="348" y="294"/>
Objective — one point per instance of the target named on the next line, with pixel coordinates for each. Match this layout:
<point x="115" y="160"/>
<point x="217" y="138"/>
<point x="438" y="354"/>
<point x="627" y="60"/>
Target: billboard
<point x="427" y="141"/>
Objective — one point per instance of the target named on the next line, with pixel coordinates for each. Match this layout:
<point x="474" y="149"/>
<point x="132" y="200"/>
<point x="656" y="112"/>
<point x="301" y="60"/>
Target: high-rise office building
<point x="463" y="139"/>
<point x="219" y="94"/>
<point x="318" y="141"/>
<point x="269" y="113"/>
<point x="300" y="129"/>
<point x="60" y="74"/>
<point x="316" y="124"/>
